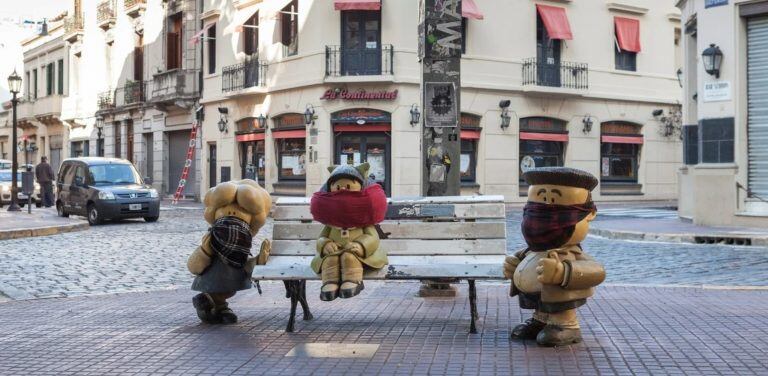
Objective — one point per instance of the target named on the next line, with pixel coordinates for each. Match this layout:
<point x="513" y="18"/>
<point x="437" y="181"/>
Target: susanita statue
<point x="553" y="275"/>
<point x="349" y="205"/>
<point x="222" y="263"/>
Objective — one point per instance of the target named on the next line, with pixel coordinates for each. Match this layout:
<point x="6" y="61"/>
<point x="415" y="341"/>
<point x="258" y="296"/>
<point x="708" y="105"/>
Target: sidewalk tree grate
<point x="722" y="240"/>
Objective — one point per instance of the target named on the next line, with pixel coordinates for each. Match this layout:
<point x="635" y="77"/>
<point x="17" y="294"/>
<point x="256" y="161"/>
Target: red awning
<point x="250" y="137"/>
<point x="556" y="22"/>
<point x="628" y="33"/>
<point x="362" y="128"/>
<point x="470" y="10"/>
<point x="298" y="133"/>
<point x="623" y="139"/>
<point x="357" y="4"/>
<point x="561" y="137"/>
<point x="470" y="134"/>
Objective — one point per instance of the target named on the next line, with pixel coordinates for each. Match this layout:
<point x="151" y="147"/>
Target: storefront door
<point x="371" y="147"/>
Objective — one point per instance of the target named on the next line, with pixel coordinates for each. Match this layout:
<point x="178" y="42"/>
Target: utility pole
<point x="440" y="53"/>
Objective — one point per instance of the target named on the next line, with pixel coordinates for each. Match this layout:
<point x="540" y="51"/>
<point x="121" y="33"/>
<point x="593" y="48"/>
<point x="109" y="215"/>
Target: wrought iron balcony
<point x="105" y="14"/>
<point x="359" y="62"/>
<point x="250" y="73"/>
<point x="73" y="28"/>
<point x="133" y="93"/>
<point x="556" y="74"/>
<point x="134" y="8"/>
<point x="106" y="100"/>
<point x="175" y="87"/>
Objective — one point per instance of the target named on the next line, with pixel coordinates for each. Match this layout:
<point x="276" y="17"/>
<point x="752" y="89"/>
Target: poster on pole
<point x="440" y="104"/>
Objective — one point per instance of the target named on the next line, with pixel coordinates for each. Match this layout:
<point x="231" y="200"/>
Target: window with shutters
<point x="289" y="28"/>
<point x="173" y="42"/>
<point x="61" y="77"/>
<point x="211" y="49"/>
<point x="49" y="79"/>
<point x="34" y="83"/>
<point x="251" y="35"/>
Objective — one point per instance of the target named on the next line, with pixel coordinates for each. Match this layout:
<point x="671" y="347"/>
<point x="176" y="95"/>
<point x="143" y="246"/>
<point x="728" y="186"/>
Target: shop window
<point x="468" y="160"/>
<point x="211" y="49"/>
<point x="251" y="35"/>
<point x="542" y="144"/>
<point x="716" y="140"/>
<point x="253" y="160"/>
<point x="291" y="158"/>
<point x="691" y="144"/>
<point x="289" y="28"/>
<point x="620" y="151"/>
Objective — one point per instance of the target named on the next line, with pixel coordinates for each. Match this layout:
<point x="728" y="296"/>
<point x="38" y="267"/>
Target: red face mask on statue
<point x="350" y="209"/>
<point x="549" y="226"/>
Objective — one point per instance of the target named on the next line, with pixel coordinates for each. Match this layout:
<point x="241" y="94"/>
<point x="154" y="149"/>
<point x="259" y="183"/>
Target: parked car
<point x="104" y="188"/>
<point x="6" y="177"/>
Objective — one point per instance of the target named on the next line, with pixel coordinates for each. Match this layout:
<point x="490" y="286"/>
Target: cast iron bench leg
<point x="292" y="291"/>
<point x="472" y="305"/>
<point x="303" y="301"/>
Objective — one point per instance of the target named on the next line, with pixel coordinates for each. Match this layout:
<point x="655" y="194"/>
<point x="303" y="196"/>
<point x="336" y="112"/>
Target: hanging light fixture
<point x="415" y="115"/>
<point x="309" y="115"/>
<point x="262" y="121"/>
<point x="587" y="121"/>
<point x="712" y="58"/>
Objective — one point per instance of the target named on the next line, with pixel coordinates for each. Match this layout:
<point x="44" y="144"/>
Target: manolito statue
<point x="350" y="206"/>
<point x="553" y="275"/>
<point x="222" y="263"/>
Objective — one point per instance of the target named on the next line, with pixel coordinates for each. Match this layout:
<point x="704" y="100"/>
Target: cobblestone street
<point x="138" y="256"/>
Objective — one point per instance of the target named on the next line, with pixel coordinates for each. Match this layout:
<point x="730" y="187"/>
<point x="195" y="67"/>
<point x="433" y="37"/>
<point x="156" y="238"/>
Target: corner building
<point x="590" y="84"/>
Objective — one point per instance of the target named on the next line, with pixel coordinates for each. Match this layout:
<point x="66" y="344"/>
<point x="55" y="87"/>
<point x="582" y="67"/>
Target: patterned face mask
<point x="549" y="226"/>
<point x="231" y="239"/>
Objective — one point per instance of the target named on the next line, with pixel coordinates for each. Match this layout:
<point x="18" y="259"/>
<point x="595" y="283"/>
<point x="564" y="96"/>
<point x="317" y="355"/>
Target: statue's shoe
<point x="204" y="306"/>
<point x="554" y="335"/>
<point x="226" y="316"/>
<point x="527" y="330"/>
<point x="329" y="291"/>
<point x="350" y="289"/>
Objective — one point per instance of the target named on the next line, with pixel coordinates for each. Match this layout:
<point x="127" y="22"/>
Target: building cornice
<point x="616" y="6"/>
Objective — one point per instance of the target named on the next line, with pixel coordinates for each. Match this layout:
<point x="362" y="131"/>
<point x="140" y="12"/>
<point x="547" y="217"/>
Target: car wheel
<point x="60" y="210"/>
<point x="94" y="218"/>
<point x="151" y="219"/>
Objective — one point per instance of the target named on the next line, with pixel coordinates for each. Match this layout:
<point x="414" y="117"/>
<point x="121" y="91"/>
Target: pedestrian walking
<point x="44" y="175"/>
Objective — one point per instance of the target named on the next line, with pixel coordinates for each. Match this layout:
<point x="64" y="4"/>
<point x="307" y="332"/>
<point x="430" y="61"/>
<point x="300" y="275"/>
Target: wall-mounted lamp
<point x="261" y="121"/>
<point x="505" y="118"/>
<point x="309" y="115"/>
<point x="223" y="119"/>
<point x="680" y="77"/>
<point x="99" y="126"/>
<point x="415" y="115"/>
<point x="658" y="112"/>
<point x="712" y="58"/>
<point x="587" y="121"/>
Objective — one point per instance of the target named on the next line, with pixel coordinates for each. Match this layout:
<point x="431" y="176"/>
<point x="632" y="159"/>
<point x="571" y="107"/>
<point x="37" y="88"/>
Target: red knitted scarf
<point x="350" y="209"/>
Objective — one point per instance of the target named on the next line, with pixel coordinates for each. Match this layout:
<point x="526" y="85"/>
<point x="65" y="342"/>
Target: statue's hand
<point x="330" y="248"/>
<point x="550" y="271"/>
<point x="510" y="264"/>
<point x="355" y="248"/>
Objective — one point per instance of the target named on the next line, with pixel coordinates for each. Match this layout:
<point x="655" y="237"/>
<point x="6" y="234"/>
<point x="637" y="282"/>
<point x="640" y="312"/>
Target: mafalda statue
<point x="236" y="211"/>
<point x="349" y="205"/>
<point x="553" y="275"/>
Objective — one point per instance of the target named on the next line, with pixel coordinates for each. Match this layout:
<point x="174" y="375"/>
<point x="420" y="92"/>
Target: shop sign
<point x="360" y="117"/>
<point x="714" y="3"/>
<point x="440" y="103"/>
<point x="717" y="91"/>
<point x="359" y="95"/>
<point x="289" y="120"/>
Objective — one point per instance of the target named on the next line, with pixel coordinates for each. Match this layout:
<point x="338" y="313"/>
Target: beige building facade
<point x="582" y="93"/>
<point x="725" y="177"/>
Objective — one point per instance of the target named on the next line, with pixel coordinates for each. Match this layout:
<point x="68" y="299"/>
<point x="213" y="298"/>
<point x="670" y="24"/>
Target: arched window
<point x="620" y="144"/>
<point x="542" y="143"/>
<point x="289" y="134"/>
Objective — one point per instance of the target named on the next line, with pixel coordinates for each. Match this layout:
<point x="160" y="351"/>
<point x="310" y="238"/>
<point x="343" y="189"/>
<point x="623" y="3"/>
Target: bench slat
<point x="409" y="200"/>
<point x="400" y="267"/>
<point x="461" y="211"/>
<point x="403" y="230"/>
<point x="410" y="247"/>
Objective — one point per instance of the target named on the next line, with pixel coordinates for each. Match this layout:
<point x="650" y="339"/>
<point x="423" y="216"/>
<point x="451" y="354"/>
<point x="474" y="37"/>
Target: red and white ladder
<point x="187" y="164"/>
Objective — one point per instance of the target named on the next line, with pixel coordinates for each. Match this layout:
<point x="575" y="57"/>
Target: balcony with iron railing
<point x="555" y="74"/>
<point x="134" y="8"/>
<point x="105" y="14"/>
<point x="105" y="101"/>
<point x="73" y="28"/>
<point x="343" y="62"/>
<point x="175" y="87"/>
<point x="248" y="74"/>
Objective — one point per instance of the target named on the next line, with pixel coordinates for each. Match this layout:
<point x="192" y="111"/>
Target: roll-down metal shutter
<point x="757" y="121"/>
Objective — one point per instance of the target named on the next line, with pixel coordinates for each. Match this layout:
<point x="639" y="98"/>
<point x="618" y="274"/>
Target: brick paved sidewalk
<point x="41" y="222"/>
<point x="627" y="330"/>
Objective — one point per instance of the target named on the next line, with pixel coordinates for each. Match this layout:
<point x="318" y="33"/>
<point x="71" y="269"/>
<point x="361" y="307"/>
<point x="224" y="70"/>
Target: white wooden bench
<point x="435" y="238"/>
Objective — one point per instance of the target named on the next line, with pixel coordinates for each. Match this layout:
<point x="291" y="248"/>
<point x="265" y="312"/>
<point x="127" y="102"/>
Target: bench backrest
<point x="432" y="226"/>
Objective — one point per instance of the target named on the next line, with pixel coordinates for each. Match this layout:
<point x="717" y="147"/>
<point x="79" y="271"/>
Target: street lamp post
<point x="14" y="85"/>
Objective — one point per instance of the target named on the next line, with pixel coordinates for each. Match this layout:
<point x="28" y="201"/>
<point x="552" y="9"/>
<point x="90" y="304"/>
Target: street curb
<point x="42" y="231"/>
<point x="673" y="238"/>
